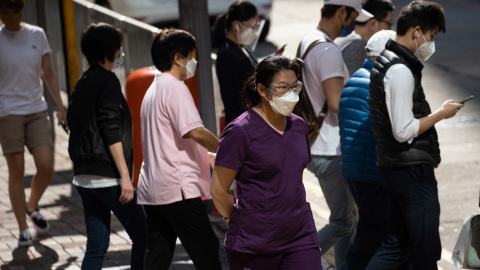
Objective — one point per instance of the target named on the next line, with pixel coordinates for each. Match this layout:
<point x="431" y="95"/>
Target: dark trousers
<point x="307" y="259"/>
<point x="413" y="219"/>
<point x="188" y="221"/>
<point x="98" y="203"/>
<point x="371" y="200"/>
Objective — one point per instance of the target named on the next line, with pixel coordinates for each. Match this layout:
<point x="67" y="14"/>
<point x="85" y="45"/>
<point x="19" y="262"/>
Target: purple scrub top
<point x="271" y="214"/>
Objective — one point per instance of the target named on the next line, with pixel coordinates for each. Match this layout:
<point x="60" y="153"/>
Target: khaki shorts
<point x="16" y="131"/>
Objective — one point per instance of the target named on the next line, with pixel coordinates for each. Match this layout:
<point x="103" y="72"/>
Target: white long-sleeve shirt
<point x="399" y="85"/>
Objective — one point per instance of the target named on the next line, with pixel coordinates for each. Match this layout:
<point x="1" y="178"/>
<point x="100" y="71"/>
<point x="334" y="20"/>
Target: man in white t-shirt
<point x="24" y="59"/>
<point x="324" y="76"/>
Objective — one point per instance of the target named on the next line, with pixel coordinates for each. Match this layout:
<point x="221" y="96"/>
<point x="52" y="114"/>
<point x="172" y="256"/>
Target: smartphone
<point x="64" y="126"/>
<point x="281" y="50"/>
<point x="465" y="99"/>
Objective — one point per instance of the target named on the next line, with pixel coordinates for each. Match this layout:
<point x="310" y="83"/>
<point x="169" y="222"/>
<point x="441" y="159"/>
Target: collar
<point x="404" y="52"/>
<point x="367" y="64"/>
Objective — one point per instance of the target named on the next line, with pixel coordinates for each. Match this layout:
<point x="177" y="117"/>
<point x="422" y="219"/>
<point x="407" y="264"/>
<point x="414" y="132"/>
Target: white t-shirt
<point x="399" y="85"/>
<point x="323" y="62"/>
<point x="95" y="181"/>
<point x="21" y="55"/>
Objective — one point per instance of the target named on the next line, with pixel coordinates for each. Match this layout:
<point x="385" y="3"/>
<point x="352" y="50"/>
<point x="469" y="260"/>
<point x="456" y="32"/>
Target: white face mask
<point x="425" y="50"/>
<point x="246" y="37"/>
<point x="284" y="105"/>
<point x="191" y="67"/>
<point x="119" y="61"/>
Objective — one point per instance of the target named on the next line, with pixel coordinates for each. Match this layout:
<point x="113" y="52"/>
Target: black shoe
<point x="39" y="221"/>
<point x="25" y="239"/>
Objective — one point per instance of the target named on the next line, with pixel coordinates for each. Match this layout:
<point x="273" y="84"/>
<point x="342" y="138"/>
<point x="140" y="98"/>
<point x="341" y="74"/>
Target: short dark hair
<point x="169" y="42"/>
<point x="13" y="4"/>
<point x="425" y="14"/>
<point x="238" y="11"/>
<point x="329" y="10"/>
<point x="263" y="74"/>
<point x="378" y="8"/>
<point x="100" y="41"/>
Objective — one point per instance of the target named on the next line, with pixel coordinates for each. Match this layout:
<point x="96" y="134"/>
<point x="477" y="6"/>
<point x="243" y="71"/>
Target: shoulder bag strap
<point x="315" y="43"/>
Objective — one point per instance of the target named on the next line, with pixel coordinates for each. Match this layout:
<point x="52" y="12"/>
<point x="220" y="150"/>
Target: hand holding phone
<point x="465" y="99"/>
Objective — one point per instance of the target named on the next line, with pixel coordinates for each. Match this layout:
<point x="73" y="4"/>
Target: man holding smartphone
<point x="407" y="142"/>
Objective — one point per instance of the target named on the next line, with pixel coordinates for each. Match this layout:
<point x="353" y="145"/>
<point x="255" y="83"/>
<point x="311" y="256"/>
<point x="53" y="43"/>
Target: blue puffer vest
<point x="359" y="162"/>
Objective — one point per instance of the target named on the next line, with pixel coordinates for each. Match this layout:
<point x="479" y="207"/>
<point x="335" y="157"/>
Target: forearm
<point x="430" y="120"/>
<point x="224" y="203"/>
<point x="116" y="150"/>
<point x="222" y="179"/>
<point x="51" y="80"/>
<point x="222" y="198"/>
<point x="205" y="138"/>
<point x="52" y="85"/>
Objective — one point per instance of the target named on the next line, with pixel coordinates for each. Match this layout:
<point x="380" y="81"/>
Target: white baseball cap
<point x="376" y="43"/>
<point x="356" y="4"/>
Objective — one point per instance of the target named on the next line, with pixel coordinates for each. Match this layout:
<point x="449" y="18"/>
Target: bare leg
<point x="43" y="158"/>
<point x="16" y="187"/>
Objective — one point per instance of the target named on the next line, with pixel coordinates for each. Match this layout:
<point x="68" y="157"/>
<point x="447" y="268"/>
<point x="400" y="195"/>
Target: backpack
<point x="304" y="107"/>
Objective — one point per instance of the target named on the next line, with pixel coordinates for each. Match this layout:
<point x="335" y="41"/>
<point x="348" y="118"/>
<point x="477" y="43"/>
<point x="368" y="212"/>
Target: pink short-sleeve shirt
<point x="173" y="163"/>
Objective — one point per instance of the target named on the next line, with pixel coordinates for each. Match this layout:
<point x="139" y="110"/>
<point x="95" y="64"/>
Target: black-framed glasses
<point x="390" y="24"/>
<point x="282" y="89"/>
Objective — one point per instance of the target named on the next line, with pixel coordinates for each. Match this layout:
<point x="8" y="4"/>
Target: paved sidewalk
<point x="63" y="246"/>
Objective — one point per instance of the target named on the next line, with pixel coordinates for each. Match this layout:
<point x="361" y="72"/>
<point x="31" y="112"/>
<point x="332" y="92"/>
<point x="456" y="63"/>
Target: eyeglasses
<point x="282" y="89"/>
<point x="254" y="26"/>
<point x="390" y="24"/>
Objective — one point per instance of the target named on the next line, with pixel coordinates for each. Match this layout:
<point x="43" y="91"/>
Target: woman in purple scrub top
<point x="266" y="149"/>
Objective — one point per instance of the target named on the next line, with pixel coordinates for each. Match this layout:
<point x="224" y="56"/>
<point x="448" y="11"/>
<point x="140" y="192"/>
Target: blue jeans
<point x="339" y="232"/>
<point x="413" y="219"/>
<point x="97" y="205"/>
<point x="372" y="203"/>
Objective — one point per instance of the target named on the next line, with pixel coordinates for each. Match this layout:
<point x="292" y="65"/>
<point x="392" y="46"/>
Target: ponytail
<point x="250" y="95"/>
<point x="218" y="30"/>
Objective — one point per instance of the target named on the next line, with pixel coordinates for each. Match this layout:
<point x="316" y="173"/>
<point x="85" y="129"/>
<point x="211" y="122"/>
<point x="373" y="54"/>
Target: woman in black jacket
<point x="233" y="31"/>
<point x="100" y="146"/>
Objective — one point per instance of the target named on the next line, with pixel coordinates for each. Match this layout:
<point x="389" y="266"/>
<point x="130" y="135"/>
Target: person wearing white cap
<point x="359" y="162"/>
<point x="324" y="74"/>
<point x="407" y="142"/>
<point x="353" y="45"/>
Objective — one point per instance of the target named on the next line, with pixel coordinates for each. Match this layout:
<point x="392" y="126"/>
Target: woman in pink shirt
<point x="175" y="172"/>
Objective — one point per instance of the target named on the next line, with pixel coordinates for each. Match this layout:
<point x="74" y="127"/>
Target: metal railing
<point x="137" y="36"/>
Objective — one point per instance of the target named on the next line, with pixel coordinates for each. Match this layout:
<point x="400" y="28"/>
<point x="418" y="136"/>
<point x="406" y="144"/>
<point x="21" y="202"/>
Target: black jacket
<point x="424" y="149"/>
<point x="233" y="69"/>
<point x="98" y="116"/>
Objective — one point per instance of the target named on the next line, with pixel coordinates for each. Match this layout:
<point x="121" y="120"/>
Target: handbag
<point x="467" y="249"/>
<point x="304" y="107"/>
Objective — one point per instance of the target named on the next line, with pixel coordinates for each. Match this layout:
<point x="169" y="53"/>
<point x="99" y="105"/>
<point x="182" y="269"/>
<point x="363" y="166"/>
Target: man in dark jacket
<point x="407" y="142"/>
<point x="359" y="162"/>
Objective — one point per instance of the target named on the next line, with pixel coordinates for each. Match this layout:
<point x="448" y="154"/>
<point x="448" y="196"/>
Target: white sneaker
<point x="39" y="221"/>
<point x="25" y="239"/>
